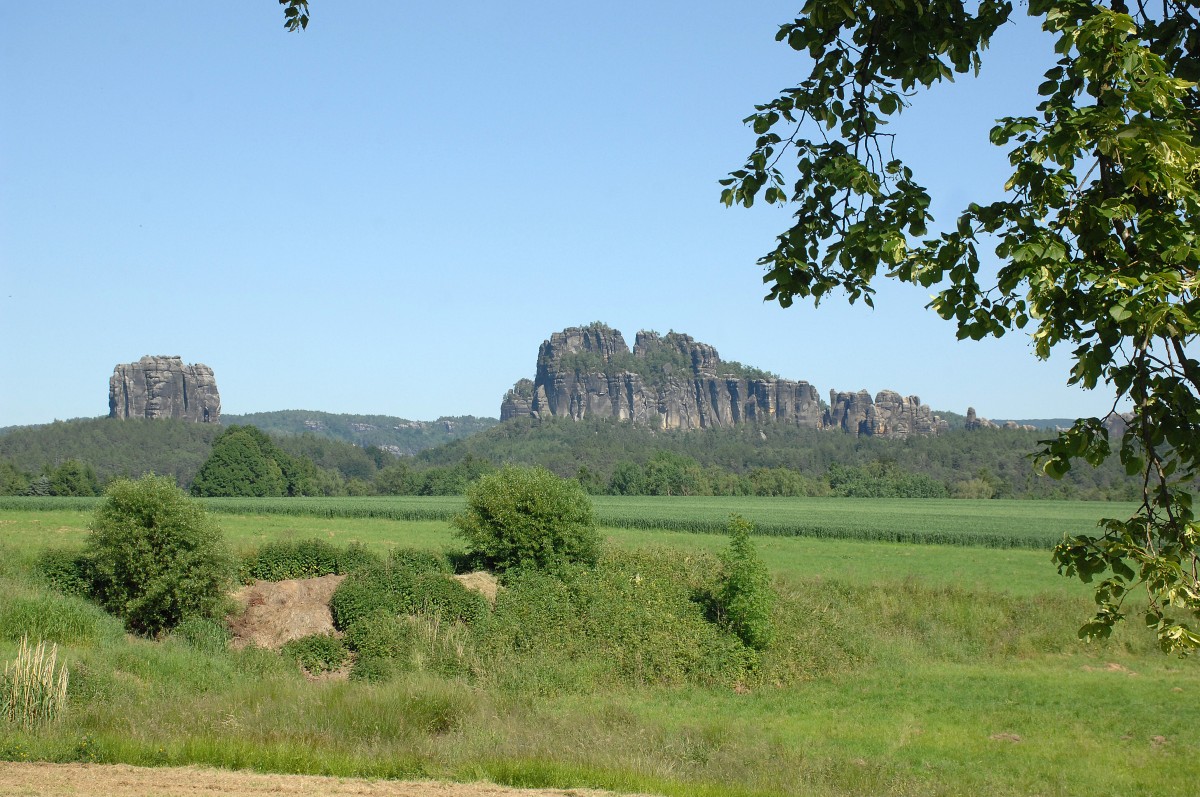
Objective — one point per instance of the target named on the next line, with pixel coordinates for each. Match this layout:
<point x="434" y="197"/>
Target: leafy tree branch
<point x="1098" y="235"/>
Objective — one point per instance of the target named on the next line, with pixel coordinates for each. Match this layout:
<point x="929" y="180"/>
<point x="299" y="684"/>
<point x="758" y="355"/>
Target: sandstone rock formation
<point x="975" y="422"/>
<point x="518" y="401"/>
<point x="163" y="387"/>
<point x="675" y="382"/>
<point x="889" y="415"/>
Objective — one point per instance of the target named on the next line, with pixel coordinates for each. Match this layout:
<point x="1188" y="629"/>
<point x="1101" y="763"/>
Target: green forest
<point x="607" y="457"/>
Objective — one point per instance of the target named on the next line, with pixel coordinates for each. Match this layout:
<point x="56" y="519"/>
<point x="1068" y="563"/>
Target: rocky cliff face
<point x="888" y="415"/>
<point x="163" y="387"/>
<point x="676" y="382"/>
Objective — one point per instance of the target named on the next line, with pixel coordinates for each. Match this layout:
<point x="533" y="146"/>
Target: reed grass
<point x="34" y="689"/>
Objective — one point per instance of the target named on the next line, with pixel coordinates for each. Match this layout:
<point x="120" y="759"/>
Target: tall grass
<point x="33" y="690"/>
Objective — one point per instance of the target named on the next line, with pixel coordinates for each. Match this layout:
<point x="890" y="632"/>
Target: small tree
<point x="157" y="557"/>
<point x="73" y="477"/>
<point x="528" y="517"/>
<point x="744" y="597"/>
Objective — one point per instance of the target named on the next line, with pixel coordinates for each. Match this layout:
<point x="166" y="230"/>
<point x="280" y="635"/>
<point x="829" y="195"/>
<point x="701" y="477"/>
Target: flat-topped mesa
<point x="164" y="387"/>
<point x="671" y="381"/>
<point x="889" y="415"/>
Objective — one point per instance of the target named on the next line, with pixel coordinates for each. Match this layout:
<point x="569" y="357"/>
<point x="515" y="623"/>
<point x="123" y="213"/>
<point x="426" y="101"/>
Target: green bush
<point x="635" y="618"/>
<point x="317" y="653"/>
<point x="744" y="596"/>
<point x="387" y="644"/>
<point x="528" y="518"/>
<point x="380" y="634"/>
<point x="157" y="556"/>
<point x="435" y="593"/>
<point x="67" y="570"/>
<point x="404" y="586"/>
<point x="419" y="560"/>
<point x="278" y="561"/>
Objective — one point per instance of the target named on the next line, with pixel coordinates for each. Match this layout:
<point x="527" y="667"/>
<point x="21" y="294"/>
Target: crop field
<point x="993" y="523"/>
<point x="899" y="669"/>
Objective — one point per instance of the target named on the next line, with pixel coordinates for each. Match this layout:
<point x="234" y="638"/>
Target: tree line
<point x="604" y="456"/>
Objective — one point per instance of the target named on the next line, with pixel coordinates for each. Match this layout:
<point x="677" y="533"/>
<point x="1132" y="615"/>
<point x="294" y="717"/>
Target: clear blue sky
<point x="390" y="212"/>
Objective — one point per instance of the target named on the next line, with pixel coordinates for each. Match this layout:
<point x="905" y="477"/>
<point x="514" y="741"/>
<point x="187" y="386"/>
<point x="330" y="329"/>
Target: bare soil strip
<point x="120" y="780"/>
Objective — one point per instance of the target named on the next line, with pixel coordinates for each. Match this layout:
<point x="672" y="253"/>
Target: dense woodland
<point x="398" y="435"/>
<point x="607" y="457"/>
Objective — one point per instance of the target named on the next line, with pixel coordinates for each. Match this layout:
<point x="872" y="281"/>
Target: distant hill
<point x="356" y="446"/>
<point x="113" y="447"/>
<point x="398" y="436"/>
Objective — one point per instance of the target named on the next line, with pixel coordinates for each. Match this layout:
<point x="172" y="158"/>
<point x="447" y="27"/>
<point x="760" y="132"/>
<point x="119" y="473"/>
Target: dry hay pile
<point x="276" y="612"/>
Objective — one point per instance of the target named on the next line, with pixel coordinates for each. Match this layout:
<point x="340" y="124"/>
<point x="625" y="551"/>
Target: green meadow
<point x="898" y="668"/>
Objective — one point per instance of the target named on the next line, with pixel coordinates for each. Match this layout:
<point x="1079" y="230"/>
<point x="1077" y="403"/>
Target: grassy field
<point x="915" y="669"/>
<point x="1019" y="570"/>
<point x="995" y="524"/>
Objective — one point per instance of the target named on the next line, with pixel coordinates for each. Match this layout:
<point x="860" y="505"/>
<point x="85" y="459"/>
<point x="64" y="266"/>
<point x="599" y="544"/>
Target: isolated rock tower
<point x="163" y="387"/>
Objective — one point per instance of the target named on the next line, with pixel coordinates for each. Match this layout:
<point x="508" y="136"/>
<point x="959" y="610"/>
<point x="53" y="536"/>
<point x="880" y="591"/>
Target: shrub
<point x="419" y="560"/>
<point x="157" y="556"/>
<point x="31" y="689"/>
<point x="404" y="587"/>
<point x="528" y="518"/>
<point x="317" y="653"/>
<point x="380" y="635"/>
<point x="388" y="644"/>
<point x="744" y="595"/>
<point x="66" y="570"/>
<point x="633" y="619"/>
<point x="434" y="593"/>
<point x="277" y="561"/>
<point x="386" y="586"/>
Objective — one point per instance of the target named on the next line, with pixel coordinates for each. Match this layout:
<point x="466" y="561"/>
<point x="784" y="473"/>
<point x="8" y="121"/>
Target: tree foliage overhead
<point x="1097" y="236"/>
<point x="295" y="15"/>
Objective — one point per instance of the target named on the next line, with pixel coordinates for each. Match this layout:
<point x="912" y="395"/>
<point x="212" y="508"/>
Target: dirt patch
<point x="482" y="582"/>
<point x="1005" y="737"/>
<point x="119" y="780"/>
<point x="1111" y="666"/>
<point x="273" y="613"/>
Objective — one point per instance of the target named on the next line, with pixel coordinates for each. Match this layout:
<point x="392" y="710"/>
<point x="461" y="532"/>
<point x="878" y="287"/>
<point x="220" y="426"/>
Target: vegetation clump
<point x="387" y="644"/>
<point x="65" y="570"/>
<point x="636" y="618"/>
<point x="287" y="559"/>
<point x="744" y="596"/>
<point x="409" y="582"/>
<point x="156" y="557"/>
<point x="33" y="689"/>
<point x="528" y="518"/>
<point x="245" y="462"/>
<point x="317" y="653"/>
